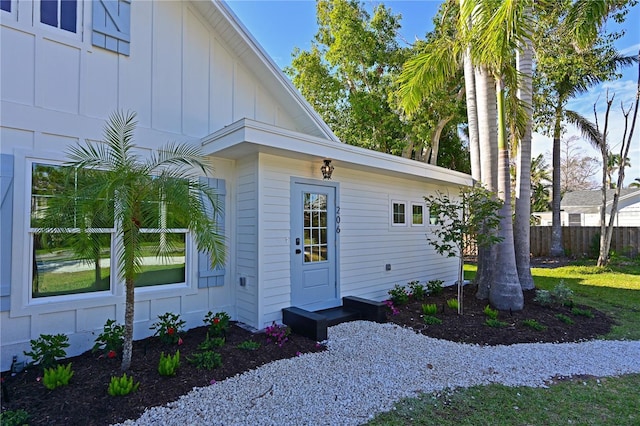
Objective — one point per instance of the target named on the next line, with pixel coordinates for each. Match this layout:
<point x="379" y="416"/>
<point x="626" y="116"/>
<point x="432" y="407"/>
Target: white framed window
<point x="63" y="14"/>
<point x="6" y="5"/>
<point x="417" y="214"/>
<point x="398" y="213"/>
<point x="69" y="260"/>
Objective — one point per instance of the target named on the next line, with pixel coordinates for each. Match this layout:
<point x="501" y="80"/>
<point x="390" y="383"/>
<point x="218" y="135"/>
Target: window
<point x="315" y="227"/>
<point x="432" y="217"/>
<point x="67" y="258"/>
<point x="5" y="5"/>
<point x="575" y="219"/>
<point x="61" y="14"/>
<point x="399" y="213"/>
<point x="417" y="214"/>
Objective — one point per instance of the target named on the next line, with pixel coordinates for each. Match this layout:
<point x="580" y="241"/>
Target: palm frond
<point x="588" y="129"/>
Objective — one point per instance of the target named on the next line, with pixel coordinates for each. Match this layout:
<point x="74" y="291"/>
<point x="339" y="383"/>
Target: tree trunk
<point x="127" y="348"/>
<point x="556" y="249"/>
<point x="487" y="137"/>
<point x="435" y="139"/>
<point x="522" y="220"/>
<point x="505" y="292"/>
<point x="472" y="116"/>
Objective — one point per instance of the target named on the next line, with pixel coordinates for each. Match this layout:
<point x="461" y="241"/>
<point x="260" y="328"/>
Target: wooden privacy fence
<point x="580" y="241"/>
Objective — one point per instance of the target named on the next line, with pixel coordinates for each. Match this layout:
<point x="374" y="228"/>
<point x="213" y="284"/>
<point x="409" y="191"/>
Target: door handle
<point x="298" y="251"/>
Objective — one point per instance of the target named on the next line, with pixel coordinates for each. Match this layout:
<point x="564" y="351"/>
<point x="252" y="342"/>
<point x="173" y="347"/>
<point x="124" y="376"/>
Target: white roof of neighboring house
<point x="233" y="32"/>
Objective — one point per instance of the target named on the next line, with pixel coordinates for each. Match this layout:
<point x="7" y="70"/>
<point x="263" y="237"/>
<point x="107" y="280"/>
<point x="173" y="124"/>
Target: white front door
<point x="314" y="283"/>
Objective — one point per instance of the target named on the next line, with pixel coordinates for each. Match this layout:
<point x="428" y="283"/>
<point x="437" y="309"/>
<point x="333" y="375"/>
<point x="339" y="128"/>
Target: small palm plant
<point x="132" y="187"/>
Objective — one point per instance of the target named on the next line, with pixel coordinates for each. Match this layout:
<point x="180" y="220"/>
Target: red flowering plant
<point x="218" y="323"/>
<point x="109" y="342"/>
<point x="168" y="327"/>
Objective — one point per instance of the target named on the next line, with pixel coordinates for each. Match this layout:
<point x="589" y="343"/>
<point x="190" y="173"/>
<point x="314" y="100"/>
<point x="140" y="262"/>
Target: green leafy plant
<point x="55" y="377"/>
<point x="121" y="386"/>
<point x="399" y="295"/>
<point x="14" y="418"/>
<point x="531" y="323"/>
<point x="543" y="297"/>
<point x="582" y="312"/>
<point x="432" y="320"/>
<point x="47" y="349"/>
<point x="562" y="294"/>
<point x="206" y="360"/>
<point x="565" y="319"/>
<point x="496" y="323"/>
<point x="248" y="345"/>
<point x="168" y="327"/>
<point x="434" y="287"/>
<point x="429" y="308"/>
<point x="418" y="291"/>
<point x="491" y="313"/>
<point x="169" y="364"/>
<point x="218" y="323"/>
<point x="110" y="341"/>
<point x="209" y="343"/>
<point x="278" y="333"/>
<point x="452" y="303"/>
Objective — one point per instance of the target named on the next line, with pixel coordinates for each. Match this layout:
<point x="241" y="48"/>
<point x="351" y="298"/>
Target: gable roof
<point x="591" y="198"/>
<point x="236" y="35"/>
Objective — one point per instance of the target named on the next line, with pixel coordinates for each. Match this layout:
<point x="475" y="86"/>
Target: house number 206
<point x="337" y="220"/>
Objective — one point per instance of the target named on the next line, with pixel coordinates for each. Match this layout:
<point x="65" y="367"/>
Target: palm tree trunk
<point x="127" y="348"/>
<point x="522" y="221"/>
<point x="488" y="144"/>
<point x="505" y="292"/>
<point x="556" y="249"/>
<point x="472" y="116"/>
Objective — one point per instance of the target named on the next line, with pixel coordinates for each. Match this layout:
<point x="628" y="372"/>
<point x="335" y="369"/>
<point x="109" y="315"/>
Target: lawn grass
<point x="614" y="290"/>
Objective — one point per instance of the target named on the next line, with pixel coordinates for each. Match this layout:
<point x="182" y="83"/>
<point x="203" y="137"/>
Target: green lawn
<point x="600" y="401"/>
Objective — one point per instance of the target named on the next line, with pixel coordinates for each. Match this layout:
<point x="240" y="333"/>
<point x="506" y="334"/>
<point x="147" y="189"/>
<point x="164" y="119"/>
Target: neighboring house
<point x="193" y="73"/>
<point x="582" y="208"/>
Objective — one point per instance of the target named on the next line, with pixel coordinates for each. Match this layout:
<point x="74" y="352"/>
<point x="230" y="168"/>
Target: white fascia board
<point x="262" y="59"/>
<point x="247" y="136"/>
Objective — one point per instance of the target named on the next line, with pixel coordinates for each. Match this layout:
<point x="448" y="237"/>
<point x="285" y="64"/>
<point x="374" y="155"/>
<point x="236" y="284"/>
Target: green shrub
<point x="111" y="339"/>
<point x="543" y="297"/>
<point x="417" y="290"/>
<point x="218" y="323"/>
<point x="565" y="319"/>
<point x="47" y="349"/>
<point x="434" y="287"/>
<point x="206" y="360"/>
<point x="452" y="303"/>
<point x="169" y="364"/>
<point x="210" y="344"/>
<point x="14" y="418"/>
<point x="562" y="294"/>
<point x="121" y="386"/>
<point x="429" y="309"/>
<point x="431" y="320"/>
<point x="399" y="295"/>
<point x="491" y="313"/>
<point x="168" y="327"/>
<point x="582" y="312"/>
<point x="531" y="323"/>
<point x="248" y="345"/>
<point x="55" y="377"/>
<point x="494" y="322"/>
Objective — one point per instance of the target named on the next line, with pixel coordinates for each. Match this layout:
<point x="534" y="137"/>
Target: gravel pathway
<point x="370" y="366"/>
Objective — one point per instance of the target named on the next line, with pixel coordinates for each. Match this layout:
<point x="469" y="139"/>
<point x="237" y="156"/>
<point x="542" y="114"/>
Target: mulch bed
<point x="86" y="401"/>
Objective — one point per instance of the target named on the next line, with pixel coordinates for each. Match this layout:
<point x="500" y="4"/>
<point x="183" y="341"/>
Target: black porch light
<point x="326" y="169"/>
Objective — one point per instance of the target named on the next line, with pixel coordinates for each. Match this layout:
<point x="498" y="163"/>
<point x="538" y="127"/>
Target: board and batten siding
<point x="367" y="241"/>
<point x="181" y="77"/>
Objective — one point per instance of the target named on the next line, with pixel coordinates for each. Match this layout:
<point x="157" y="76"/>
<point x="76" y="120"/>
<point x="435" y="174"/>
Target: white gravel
<point x="368" y="367"/>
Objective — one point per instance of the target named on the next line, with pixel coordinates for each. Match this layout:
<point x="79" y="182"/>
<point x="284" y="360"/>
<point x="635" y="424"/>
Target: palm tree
<point x="132" y="188"/>
<point x="613" y="165"/>
<point x="635" y="183"/>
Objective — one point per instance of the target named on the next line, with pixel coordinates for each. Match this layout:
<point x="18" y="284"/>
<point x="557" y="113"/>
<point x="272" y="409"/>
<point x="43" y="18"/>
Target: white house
<point x="582" y="208"/>
<point x="193" y="73"/>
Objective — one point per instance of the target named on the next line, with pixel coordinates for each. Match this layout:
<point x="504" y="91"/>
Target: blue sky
<point x="281" y="25"/>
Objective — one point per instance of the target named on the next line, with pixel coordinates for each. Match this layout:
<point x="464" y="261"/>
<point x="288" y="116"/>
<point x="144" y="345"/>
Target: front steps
<point x="314" y="324"/>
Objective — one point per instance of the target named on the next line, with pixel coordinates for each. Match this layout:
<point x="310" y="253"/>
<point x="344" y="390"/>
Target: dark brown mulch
<point x="86" y="401"/>
<point x="471" y="328"/>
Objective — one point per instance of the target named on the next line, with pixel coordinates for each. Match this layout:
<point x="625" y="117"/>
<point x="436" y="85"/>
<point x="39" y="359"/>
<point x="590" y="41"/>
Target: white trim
<point x="58" y="31"/>
<point x="392" y="217"/>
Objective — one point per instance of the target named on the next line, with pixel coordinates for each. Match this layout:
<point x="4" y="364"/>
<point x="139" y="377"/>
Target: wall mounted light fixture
<point x="326" y="169"/>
